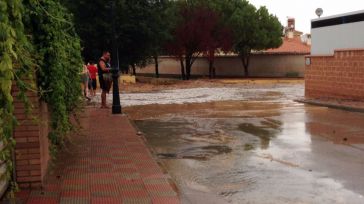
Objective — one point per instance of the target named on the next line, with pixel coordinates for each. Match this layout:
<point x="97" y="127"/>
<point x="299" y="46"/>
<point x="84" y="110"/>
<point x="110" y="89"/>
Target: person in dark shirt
<point x="104" y="76"/>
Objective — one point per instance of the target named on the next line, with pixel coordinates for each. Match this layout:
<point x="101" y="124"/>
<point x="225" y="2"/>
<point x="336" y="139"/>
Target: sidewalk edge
<point x="330" y="105"/>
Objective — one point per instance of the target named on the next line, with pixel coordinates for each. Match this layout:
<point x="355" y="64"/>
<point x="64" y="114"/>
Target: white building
<point x="344" y="31"/>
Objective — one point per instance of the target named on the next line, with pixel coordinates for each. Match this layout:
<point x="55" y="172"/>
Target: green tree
<point x="219" y="39"/>
<point x="253" y="29"/>
<point x="93" y="24"/>
<point x="133" y="32"/>
<point x="161" y="24"/>
<point x="58" y="57"/>
<point x="138" y="29"/>
<point x="270" y="30"/>
<point x="37" y="34"/>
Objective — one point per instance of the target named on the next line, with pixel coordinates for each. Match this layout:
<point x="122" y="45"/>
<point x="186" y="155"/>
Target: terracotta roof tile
<point x="291" y="46"/>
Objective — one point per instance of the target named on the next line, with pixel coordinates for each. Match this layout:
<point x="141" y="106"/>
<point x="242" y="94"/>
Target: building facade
<point x="335" y="68"/>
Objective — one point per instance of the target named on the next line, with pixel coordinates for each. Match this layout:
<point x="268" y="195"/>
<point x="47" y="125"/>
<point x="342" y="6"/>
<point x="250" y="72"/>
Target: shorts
<point x="101" y="82"/>
<point x="84" y="78"/>
<point x="106" y="82"/>
<point x="92" y="84"/>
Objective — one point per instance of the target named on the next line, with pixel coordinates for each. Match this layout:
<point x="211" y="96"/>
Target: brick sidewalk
<point x="108" y="164"/>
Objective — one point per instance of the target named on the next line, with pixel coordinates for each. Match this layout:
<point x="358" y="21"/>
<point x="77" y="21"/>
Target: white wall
<point x="345" y="36"/>
<point x="260" y="66"/>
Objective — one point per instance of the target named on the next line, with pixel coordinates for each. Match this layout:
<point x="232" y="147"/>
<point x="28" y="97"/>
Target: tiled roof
<point x="291" y="46"/>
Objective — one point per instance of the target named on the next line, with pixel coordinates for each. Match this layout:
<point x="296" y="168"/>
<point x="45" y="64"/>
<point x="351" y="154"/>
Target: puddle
<point x="197" y="153"/>
<point x="263" y="134"/>
<point x="217" y="109"/>
<point x="271" y="150"/>
<point x="268" y="129"/>
<point x="248" y="147"/>
<point x="271" y="123"/>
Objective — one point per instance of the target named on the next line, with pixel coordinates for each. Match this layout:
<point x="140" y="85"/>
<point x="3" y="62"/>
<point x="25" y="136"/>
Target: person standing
<point x="85" y="75"/>
<point x="105" y="77"/>
<point x="92" y="69"/>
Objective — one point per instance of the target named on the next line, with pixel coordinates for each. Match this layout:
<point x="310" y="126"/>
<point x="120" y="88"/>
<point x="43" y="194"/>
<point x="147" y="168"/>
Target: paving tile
<point x="159" y="187"/>
<point x="42" y="200"/>
<point x="151" y="175"/>
<point x="143" y="200"/>
<point x="162" y="193"/>
<point x="127" y="175"/>
<point x="102" y="181"/>
<point x="122" y="161"/>
<point x="124" y="181"/>
<point x="101" y="175"/>
<point x="75" y="200"/>
<point x="134" y="193"/>
<point x="23" y="194"/>
<point x="108" y="164"/>
<point x="104" y="187"/>
<point x="74" y="181"/>
<point x="38" y="193"/>
<point x="106" y="200"/>
<point x="118" y="170"/>
<point x="165" y="200"/>
<point x="125" y="166"/>
<point x="75" y="193"/>
<point x="74" y="175"/>
<point x="74" y="187"/>
<point x="155" y="180"/>
<point x="132" y="186"/>
<point x="114" y="194"/>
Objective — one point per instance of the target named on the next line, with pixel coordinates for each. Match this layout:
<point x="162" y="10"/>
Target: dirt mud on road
<point x="251" y="143"/>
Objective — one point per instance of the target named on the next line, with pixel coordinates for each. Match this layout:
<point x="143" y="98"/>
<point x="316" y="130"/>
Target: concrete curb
<point x="331" y="105"/>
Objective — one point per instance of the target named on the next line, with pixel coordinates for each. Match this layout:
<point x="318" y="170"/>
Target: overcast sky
<point x="304" y="10"/>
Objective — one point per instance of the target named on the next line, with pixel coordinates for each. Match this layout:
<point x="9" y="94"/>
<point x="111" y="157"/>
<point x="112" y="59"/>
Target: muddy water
<point x="270" y="150"/>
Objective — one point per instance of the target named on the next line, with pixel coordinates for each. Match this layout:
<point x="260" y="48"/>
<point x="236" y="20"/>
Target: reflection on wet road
<point x="265" y="151"/>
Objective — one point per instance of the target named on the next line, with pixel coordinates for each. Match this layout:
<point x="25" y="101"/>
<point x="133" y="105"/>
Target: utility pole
<point x="116" y="107"/>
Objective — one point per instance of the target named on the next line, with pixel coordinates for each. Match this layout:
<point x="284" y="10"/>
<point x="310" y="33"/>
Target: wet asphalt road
<point x="263" y="148"/>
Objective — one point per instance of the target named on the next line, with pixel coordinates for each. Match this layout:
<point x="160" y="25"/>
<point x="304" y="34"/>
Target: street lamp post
<point x="116" y="107"/>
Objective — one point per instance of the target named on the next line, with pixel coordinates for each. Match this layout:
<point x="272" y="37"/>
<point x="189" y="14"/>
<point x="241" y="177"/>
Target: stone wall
<point x="340" y="76"/>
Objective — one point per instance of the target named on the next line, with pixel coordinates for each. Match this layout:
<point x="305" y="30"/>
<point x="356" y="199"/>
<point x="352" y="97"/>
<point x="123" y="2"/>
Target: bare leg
<point x="90" y="92"/>
<point x="93" y="92"/>
<point x="103" y="99"/>
<point x="86" y="88"/>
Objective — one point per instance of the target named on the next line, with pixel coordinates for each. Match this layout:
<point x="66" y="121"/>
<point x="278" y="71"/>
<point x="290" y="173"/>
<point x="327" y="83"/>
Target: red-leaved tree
<point x="217" y="41"/>
<point x="198" y="32"/>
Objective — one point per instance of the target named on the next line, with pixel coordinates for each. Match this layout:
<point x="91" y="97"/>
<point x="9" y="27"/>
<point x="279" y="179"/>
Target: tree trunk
<point x="210" y="69"/>
<point x="133" y="66"/>
<point x="183" y="75"/>
<point x="213" y="72"/>
<point x="245" y="58"/>
<point x="188" y="67"/>
<point x="211" y="58"/>
<point x="156" y="66"/>
<point x="188" y="72"/>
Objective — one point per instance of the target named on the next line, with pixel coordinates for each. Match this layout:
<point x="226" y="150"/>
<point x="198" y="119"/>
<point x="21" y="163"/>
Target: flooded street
<point x="252" y="144"/>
